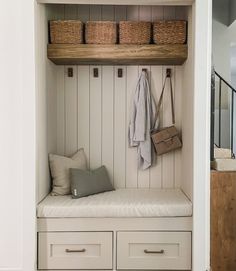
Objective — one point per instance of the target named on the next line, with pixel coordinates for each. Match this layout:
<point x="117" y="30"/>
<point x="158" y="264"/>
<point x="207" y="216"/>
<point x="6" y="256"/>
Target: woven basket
<point x="169" y="32"/>
<point x="134" y="32"/>
<point x="69" y="31"/>
<point x="101" y="32"/>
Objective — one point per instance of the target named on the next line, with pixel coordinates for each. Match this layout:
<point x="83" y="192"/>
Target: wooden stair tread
<point x="224" y="164"/>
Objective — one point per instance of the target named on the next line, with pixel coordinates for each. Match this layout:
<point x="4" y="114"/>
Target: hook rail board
<point x="62" y="54"/>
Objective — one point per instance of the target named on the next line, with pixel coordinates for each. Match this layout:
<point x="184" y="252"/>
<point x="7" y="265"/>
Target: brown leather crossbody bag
<point x="166" y="139"/>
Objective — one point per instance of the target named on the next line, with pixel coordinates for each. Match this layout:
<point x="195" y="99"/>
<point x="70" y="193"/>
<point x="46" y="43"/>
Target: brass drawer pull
<point x="154" y="251"/>
<point x="75" y="250"/>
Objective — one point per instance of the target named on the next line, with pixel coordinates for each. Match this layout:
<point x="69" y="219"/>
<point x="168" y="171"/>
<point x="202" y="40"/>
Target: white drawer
<point x="154" y="250"/>
<point x="75" y="250"/>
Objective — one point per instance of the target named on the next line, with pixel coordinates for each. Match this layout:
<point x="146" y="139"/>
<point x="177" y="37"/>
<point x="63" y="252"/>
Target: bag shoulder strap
<point x="168" y="75"/>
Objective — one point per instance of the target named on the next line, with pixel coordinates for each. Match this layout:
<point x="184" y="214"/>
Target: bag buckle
<point x="168" y="141"/>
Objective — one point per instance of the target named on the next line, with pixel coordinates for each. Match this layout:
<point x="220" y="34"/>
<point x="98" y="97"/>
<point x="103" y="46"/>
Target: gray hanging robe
<point x="142" y="121"/>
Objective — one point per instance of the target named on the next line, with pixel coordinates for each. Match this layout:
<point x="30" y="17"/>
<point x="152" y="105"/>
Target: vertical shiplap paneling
<point x="55" y="12"/>
<point x="144" y="175"/>
<point x="168" y="167"/>
<point x="95" y="103"/>
<point x="108" y="13"/>
<point x="156" y="87"/>
<point x="157" y="13"/>
<point x="71" y="111"/>
<point x="145" y="14"/>
<point x="120" y="129"/>
<point x="101" y="106"/>
<point x="83" y="12"/>
<point x="120" y="13"/>
<point x="71" y="12"/>
<point x="107" y="118"/>
<point x="83" y="109"/>
<point x="51" y="76"/>
<point x="120" y="121"/>
<point x="95" y="12"/>
<point x="180" y="14"/>
<point x="169" y="12"/>
<point x="95" y="118"/>
<point x="131" y="153"/>
<point x="71" y="106"/>
<point x="132" y="13"/>
<point x="60" y="110"/>
<point x="178" y="122"/>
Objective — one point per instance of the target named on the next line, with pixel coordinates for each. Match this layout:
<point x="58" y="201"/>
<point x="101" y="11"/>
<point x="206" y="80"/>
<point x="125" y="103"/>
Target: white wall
<point x="17" y="137"/>
<point x="221" y="49"/>
<point x="221" y="61"/>
<point x="221" y="11"/>
<point x="232" y="11"/>
<point x="233" y="78"/>
<point x="223" y="37"/>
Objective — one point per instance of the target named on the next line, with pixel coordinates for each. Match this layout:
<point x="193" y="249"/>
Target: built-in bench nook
<point x="84" y="95"/>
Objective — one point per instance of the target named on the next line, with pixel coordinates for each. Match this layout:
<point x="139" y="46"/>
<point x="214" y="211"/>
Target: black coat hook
<point x="120" y="73"/>
<point x="168" y="73"/>
<point x="70" y="72"/>
<point x="95" y="72"/>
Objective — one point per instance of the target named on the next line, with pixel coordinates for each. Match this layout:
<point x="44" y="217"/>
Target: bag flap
<point x="164" y="134"/>
<point x="169" y="145"/>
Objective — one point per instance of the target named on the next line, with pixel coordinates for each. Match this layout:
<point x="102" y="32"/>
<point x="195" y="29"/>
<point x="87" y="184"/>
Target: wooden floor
<point x="223" y="221"/>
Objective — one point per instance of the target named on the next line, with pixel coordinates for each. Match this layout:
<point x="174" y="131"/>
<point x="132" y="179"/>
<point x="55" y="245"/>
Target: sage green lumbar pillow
<point x="85" y="182"/>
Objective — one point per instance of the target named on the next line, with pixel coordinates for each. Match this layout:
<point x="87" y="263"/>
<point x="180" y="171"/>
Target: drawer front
<point x="154" y="250"/>
<point x="75" y="250"/>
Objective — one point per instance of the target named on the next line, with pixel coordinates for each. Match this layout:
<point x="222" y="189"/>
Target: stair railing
<point x="231" y="91"/>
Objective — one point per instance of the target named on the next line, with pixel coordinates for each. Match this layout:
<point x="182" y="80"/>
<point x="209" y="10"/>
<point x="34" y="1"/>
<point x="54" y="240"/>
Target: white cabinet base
<point x="114" y="244"/>
<point x="154" y="250"/>
<point x="75" y="250"/>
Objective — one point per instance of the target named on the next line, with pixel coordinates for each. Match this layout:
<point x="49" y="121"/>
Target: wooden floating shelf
<point x="152" y="54"/>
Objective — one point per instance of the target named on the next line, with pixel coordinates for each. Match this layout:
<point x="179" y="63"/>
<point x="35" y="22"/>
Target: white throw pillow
<point x="60" y="165"/>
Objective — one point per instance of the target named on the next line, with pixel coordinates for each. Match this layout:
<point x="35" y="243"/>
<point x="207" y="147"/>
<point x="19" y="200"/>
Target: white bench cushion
<point x="119" y="203"/>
